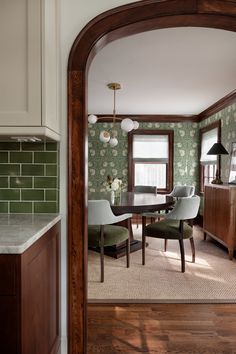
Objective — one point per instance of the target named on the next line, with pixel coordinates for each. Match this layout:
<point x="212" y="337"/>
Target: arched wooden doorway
<point x="117" y="23"/>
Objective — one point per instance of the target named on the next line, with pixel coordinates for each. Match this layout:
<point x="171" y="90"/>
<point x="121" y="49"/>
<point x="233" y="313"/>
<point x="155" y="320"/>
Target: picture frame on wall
<point x="232" y="171"/>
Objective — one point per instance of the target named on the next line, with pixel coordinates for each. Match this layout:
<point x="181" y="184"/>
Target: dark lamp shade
<point x="217" y="149"/>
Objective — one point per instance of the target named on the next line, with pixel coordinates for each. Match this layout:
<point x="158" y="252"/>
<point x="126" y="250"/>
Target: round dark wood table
<point x="130" y="202"/>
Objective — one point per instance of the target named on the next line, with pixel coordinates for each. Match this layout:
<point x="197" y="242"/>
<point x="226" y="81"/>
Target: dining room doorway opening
<point x="113" y="24"/>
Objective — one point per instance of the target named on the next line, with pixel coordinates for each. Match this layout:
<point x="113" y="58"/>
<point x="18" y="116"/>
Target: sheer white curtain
<point x="150" y="175"/>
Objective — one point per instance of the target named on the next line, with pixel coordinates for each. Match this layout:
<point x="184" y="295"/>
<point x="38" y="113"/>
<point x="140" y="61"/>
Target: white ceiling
<point x="168" y="71"/>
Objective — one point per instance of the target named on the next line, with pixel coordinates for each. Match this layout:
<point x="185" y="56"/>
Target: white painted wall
<point x="74" y="15"/>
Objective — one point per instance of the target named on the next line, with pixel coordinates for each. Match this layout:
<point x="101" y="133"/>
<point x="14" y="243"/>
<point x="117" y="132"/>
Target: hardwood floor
<point x="162" y="328"/>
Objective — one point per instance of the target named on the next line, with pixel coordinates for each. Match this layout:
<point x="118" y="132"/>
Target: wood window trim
<point x="169" y="179"/>
<point x="203" y="130"/>
<point x="117" y="23"/>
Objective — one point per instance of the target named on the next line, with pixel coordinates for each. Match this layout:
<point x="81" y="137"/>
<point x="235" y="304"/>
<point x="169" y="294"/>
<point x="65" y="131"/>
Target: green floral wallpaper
<point x="104" y="160"/>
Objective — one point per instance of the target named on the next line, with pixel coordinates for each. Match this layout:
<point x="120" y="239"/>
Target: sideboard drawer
<point x="8" y="275"/>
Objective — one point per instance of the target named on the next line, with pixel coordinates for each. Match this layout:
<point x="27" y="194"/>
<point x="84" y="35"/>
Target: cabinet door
<point x="50" y="65"/>
<point x="209" y="209"/>
<point x="40" y="295"/>
<point x="222" y="214"/>
<point x="20" y="63"/>
<point x="9" y="304"/>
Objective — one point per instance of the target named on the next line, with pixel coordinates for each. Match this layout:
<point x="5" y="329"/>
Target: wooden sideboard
<point x="29" y="298"/>
<point x="220" y="215"/>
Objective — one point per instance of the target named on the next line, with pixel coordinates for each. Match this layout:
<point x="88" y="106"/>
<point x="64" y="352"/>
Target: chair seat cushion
<point x="113" y="235"/>
<point x="168" y="229"/>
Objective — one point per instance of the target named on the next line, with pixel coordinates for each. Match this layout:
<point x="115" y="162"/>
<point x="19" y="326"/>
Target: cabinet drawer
<point x="8" y="274"/>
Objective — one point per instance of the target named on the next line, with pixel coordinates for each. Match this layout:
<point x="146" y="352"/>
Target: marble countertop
<point x="19" y="231"/>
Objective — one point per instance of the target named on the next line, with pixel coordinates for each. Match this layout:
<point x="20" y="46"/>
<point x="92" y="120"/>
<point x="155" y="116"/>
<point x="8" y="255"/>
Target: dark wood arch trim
<point x="117" y="23"/>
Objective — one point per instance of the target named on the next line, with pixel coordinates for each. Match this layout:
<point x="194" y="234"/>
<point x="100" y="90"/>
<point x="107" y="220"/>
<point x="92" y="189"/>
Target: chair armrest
<point x="122" y="217"/>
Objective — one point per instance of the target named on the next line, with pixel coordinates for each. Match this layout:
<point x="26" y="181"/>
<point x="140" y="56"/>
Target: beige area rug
<point x="212" y="278"/>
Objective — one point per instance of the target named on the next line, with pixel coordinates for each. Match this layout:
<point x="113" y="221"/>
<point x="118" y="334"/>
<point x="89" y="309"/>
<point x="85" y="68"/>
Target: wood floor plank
<point x="162" y="328"/>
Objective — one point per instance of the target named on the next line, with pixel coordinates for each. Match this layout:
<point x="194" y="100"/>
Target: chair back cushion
<point x="100" y="213"/>
<point x="185" y="208"/>
<point x="183" y="191"/>
<point x="145" y="189"/>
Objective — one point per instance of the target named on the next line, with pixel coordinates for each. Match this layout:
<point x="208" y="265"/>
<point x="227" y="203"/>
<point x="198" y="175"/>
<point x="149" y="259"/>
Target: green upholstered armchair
<point x="174" y="226"/>
<point x="177" y="192"/>
<point x="100" y="231"/>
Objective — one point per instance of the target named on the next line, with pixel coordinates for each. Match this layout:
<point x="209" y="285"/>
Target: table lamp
<point x="217" y="149"/>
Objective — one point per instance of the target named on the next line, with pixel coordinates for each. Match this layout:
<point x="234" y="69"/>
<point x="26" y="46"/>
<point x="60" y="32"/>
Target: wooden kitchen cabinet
<point x="29" y="298"/>
<point x="29" y="68"/>
<point x="220" y="215"/>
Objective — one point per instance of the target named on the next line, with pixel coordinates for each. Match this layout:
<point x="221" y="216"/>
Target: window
<point x="151" y="159"/>
<point x="208" y="163"/>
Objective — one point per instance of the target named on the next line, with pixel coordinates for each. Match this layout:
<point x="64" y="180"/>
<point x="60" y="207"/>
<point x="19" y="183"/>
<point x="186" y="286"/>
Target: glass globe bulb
<point x="136" y="125"/>
<point x="92" y="119"/>
<point x="127" y="125"/>
<point x="113" y="142"/>
<point x="104" y="136"/>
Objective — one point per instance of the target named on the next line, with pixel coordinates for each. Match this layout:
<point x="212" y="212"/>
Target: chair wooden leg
<point x="102" y="252"/>
<point x="181" y="245"/>
<point x="192" y="248"/>
<point x="165" y="245"/>
<point x="204" y="236"/>
<point x="128" y="243"/>
<point x="143" y="239"/>
<point x="128" y="252"/>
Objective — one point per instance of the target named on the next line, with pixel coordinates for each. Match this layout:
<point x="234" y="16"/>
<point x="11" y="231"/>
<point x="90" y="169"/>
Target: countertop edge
<point x="19" y="249"/>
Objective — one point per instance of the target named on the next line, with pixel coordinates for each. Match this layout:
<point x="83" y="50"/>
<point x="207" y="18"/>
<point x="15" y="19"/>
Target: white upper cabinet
<point x="29" y="68"/>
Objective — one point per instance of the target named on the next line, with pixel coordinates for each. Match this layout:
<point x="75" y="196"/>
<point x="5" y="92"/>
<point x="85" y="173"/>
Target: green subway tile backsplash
<point x="45" y="157"/>
<point x="3" y="207"/>
<point x="51" y="146"/>
<point x="9" y="194"/>
<point x="3" y="182"/>
<point x="21" y="182"/>
<point x="51" y="170"/>
<point x="45" y="207"/>
<point x="29" y="177"/>
<point x="32" y="170"/>
<point x="21" y="157"/>
<point x="32" y="146"/>
<point x="32" y="194"/>
<point x="45" y="182"/>
<point x="9" y="146"/>
<point x="51" y="195"/>
<point x="3" y="156"/>
<point x="9" y="169"/>
<point x="21" y="207"/>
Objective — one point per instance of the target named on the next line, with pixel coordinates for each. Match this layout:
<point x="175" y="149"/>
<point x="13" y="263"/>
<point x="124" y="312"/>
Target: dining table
<point x="134" y="203"/>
